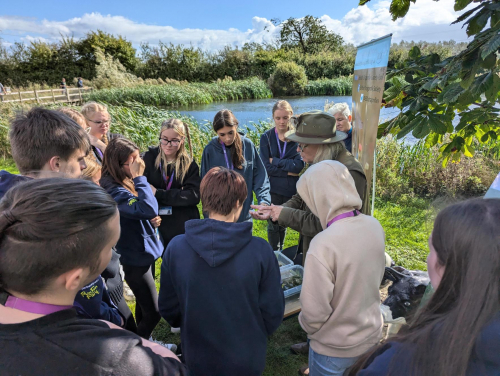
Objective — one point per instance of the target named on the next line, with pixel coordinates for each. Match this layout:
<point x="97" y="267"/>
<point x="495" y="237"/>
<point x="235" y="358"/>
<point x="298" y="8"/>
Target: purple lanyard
<point x="353" y="213"/>
<point x="279" y="146"/>
<point x="225" y="156"/>
<point x="168" y="181"/>
<point x="100" y="153"/>
<point x="33" y="307"/>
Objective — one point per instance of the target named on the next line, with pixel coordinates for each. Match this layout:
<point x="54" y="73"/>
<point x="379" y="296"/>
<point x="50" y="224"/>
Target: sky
<point x="213" y="24"/>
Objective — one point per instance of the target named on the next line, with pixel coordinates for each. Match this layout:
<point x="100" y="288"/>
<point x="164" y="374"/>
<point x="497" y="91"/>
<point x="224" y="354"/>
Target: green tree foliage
<point x="308" y="34"/>
<point x="288" y="78"/>
<point x="432" y="92"/>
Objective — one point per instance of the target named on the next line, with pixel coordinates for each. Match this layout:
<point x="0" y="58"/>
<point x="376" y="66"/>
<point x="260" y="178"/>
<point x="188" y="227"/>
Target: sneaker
<point x="175" y="330"/>
<point x="127" y="293"/>
<point x="171" y="346"/>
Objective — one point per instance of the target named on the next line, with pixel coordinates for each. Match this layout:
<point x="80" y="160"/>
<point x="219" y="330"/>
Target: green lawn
<point x="407" y="226"/>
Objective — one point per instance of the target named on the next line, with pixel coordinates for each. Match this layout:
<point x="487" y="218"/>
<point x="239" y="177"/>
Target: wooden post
<point x="67" y="94"/>
<point x="80" y="92"/>
<point x="20" y="97"/>
<point x="36" y="96"/>
<point x="53" y="96"/>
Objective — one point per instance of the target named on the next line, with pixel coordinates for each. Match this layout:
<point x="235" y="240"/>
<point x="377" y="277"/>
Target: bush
<point x="334" y="86"/>
<point x="288" y="78"/>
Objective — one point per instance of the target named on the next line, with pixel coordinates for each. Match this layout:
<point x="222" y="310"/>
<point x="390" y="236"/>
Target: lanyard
<point x="225" y="156"/>
<point x="33" y="307"/>
<point x="279" y="146"/>
<point x="353" y="213"/>
<point x="168" y="180"/>
<point x="100" y="153"/>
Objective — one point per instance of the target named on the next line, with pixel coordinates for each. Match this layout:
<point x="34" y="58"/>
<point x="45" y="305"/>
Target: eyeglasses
<point x="173" y="142"/>
<point x="302" y="147"/>
<point x="100" y="122"/>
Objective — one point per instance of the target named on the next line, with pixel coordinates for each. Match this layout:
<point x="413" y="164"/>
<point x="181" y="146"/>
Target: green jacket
<point x="296" y="215"/>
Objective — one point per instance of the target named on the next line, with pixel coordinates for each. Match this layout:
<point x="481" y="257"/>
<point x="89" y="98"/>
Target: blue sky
<point x="216" y="23"/>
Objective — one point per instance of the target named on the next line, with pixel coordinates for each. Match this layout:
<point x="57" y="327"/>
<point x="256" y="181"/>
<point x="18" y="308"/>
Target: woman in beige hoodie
<point x="345" y="264"/>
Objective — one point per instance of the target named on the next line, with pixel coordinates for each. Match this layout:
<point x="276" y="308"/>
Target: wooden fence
<point x="69" y="95"/>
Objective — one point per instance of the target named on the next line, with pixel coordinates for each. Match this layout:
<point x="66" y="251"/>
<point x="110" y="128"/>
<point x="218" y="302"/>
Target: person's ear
<point x="74" y="279"/>
<point x="350" y="118"/>
<point x="238" y="205"/>
<point x="55" y="164"/>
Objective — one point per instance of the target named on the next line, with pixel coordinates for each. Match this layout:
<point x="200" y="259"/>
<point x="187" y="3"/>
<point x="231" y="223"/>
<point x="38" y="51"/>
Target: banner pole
<point x="374" y="174"/>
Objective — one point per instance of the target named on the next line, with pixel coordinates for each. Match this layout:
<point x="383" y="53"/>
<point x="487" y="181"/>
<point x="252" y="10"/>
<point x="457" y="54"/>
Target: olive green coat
<point x="296" y="215"/>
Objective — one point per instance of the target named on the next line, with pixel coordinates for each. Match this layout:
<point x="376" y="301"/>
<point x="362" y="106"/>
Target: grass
<point x="335" y="86"/>
<point x="180" y="93"/>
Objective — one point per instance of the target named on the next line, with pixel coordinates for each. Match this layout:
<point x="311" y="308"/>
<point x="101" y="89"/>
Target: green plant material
<point x="179" y="93"/>
<point x="465" y="84"/>
<point x="288" y="79"/>
<point x="294" y="279"/>
<point x="308" y="34"/>
<point x="336" y="86"/>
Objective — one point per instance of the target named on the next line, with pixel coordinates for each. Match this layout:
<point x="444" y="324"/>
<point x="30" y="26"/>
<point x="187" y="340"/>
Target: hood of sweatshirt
<point x="217" y="241"/>
<point x="328" y="190"/>
<point x="8" y="180"/>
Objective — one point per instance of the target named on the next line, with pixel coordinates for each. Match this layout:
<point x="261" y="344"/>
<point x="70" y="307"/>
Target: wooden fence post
<point x="80" y="92"/>
<point x="36" y="96"/>
<point x="20" y="97"/>
<point x="53" y="96"/>
<point x="67" y="95"/>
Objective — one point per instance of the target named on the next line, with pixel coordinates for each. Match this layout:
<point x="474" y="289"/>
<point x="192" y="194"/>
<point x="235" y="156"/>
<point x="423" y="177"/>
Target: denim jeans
<point x="322" y="365"/>
<point x="276" y="233"/>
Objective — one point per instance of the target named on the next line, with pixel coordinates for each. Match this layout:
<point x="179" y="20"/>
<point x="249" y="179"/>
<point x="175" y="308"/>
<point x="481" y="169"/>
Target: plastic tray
<point x="287" y="272"/>
<point x="282" y="259"/>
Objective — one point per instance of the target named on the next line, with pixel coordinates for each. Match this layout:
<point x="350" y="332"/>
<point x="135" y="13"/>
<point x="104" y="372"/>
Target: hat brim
<point x="339" y="136"/>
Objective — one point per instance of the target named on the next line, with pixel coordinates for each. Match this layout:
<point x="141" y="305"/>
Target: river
<point x="253" y="110"/>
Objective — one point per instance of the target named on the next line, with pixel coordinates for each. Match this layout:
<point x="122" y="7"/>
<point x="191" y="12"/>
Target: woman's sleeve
<point x="293" y="165"/>
<point x="205" y="162"/>
<point x="265" y="154"/>
<point x="187" y="195"/>
<point x="144" y="206"/>
<point x="261" y="185"/>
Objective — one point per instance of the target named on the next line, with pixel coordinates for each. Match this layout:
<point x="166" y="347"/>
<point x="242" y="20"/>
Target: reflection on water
<point x="253" y="110"/>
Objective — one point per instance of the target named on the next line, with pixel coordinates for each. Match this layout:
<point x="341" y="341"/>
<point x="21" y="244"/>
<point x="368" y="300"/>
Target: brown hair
<point x="442" y="335"/>
<point x="77" y="117"/>
<point x="225" y="118"/>
<point x="284" y="105"/>
<point x="116" y="154"/>
<point x="48" y="227"/>
<point x="91" y="108"/>
<point x="40" y="134"/>
<point x="221" y="189"/>
<point x="182" y="159"/>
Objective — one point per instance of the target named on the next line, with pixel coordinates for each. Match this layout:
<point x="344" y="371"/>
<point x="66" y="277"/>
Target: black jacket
<point x="182" y="196"/>
<point x="222" y="287"/>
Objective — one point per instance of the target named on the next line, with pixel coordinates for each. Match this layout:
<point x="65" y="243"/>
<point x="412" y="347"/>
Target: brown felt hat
<point x="315" y="127"/>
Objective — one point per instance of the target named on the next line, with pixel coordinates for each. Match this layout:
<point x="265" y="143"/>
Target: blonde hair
<point x="182" y="158"/>
<point x="334" y="108"/>
<point x="75" y="115"/>
<point x="92" y="168"/>
<point x="285" y="106"/>
<point x="329" y="152"/>
<point x="91" y="108"/>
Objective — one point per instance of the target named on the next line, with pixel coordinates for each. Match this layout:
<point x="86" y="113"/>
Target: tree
<point x="308" y="34"/>
<point x="432" y="92"/>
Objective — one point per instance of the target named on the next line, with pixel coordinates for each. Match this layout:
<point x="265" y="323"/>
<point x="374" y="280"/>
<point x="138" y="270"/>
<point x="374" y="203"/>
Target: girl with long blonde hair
<point x="171" y="170"/>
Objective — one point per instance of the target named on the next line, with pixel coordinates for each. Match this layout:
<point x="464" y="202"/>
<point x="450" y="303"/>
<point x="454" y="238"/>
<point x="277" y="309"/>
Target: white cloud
<point x="427" y="20"/>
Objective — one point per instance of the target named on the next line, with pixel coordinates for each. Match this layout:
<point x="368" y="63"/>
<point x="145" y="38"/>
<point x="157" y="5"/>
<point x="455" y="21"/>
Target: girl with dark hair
<point x="176" y="177"/>
<point x="221" y="285"/>
<point x="139" y="246"/>
<point x="231" y="150"/>
<point x="458" y="331"/>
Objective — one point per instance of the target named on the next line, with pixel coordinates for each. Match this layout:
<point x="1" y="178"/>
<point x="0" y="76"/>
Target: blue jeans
<point x="322" y="365"/>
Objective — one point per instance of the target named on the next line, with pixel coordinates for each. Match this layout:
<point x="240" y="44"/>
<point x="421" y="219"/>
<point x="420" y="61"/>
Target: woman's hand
<point x="137" y="167"/>
<point x="153" y="189"/>
<point x="95" y="142"/>
<point x="156" y="221"/>
<point x="292" y="174"/>
<point x="270" y="160"/>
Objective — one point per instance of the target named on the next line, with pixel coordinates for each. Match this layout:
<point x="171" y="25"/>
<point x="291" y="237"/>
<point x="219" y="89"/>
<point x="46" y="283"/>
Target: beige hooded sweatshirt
<point x="344" y="266"/>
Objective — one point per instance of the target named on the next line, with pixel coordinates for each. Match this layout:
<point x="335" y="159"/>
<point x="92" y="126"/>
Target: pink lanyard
<point x="33" y="307"/>
<point x="168" y="180"/>
<point x="225" y="156"/>
<point x="279" y="146"/>
<point x="353" y="213"/>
